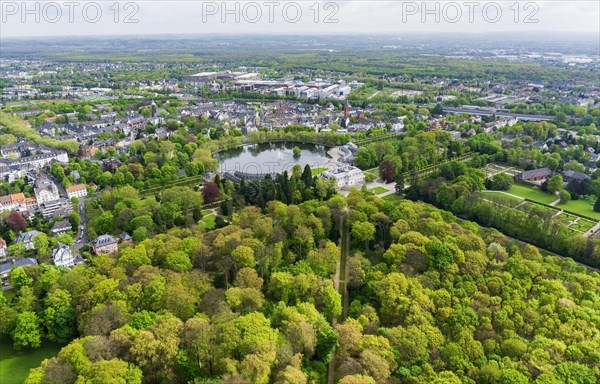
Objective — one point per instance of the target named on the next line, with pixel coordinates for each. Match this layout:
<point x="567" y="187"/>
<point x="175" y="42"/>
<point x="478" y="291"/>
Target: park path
<point x="592" y="230"/>
<point x="554" y="202"/>
<point x="340" y="286"/>
<point x="389" y="191"/>
<point x="373" y="95"/>
<point x="504" y="193"/>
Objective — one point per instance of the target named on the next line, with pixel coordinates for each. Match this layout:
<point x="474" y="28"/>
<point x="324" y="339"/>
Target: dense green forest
<point x="432" y="299"/>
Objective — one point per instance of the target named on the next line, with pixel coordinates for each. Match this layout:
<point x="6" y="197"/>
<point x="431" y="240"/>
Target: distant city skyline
<point x="102" y="18"/>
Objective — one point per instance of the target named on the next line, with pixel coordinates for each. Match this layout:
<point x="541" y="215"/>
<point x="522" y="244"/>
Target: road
<point x="82" y="234"/>
<point x="82" y="230"/>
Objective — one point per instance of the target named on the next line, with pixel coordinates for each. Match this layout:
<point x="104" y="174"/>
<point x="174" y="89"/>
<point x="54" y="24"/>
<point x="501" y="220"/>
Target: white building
<point x="344" y="91"/>
<point x="345" y="176"/>
<point x="328" y="91"/>
<point x="45" y="191"/>
<point x="15" y="165"/>
<point x="3" y="249"/>
<point x="78" y="190"/>
<point x="63" y="257"/>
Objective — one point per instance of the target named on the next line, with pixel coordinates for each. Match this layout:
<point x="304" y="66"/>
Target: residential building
<point x="16" y="167"/>
<point x="569" y="176"/>
<point x="61" y="227"/>
<point x="77" y="190"/>
<point x="45" y="191"/>
<point x="105" y="244"/>
<point x="27" y="239"/>
<point x="5" y="268"/>
<point x="125" y="238"/>
<point x="60" y="208"/>
<point x="63" y="257"/>
<point x="31" y="204"/>
<point x="456" y="135"/>
<point x="14" y="202"/>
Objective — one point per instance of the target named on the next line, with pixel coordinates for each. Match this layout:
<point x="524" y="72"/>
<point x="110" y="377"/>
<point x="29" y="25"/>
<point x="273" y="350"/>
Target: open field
<point x="15" y="365"/>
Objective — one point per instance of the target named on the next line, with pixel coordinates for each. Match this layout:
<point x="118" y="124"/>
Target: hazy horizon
<point x="542" y="35"/>
<point x="382" y="17"/>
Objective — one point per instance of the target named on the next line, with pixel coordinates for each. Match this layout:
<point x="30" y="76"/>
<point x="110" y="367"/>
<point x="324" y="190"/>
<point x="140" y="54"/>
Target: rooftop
<point x="103" y="240"/>
<point x="8" y="266"/>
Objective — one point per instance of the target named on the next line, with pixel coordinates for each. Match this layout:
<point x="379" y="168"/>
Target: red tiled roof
<point x="77" y="187"/>
<point x="18" y="197"/>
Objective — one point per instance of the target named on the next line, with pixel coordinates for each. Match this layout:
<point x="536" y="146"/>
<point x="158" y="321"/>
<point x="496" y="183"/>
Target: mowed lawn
<point x="317" y="171"/>
<point x="503" y="198"/>
<point x="531" y="192"/>
<point x="15" y="365"/>
<point x="378" y="190"/>
<point x="582" y="207"/>
<point x="393" y="198"/>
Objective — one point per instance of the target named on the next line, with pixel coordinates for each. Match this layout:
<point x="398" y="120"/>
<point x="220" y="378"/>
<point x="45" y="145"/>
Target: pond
<point x="273" y="157"/>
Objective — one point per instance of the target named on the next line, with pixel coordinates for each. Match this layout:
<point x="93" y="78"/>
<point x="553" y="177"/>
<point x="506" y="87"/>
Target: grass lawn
<point x="529" y="206"/>
<point x="15" y="365"/>
<point x="393" y="198"/>
<point x="378" y="190"/>
<point x="317" y="171"/>
<point x="374" y="171"/>
<point x="582" y="207"/>
<point x="531" y="192"/>
<point x="207" y="222"/>
<point x="206" y="212"/>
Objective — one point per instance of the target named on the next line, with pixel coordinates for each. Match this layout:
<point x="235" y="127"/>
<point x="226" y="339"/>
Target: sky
<point x="164" y="17"/>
